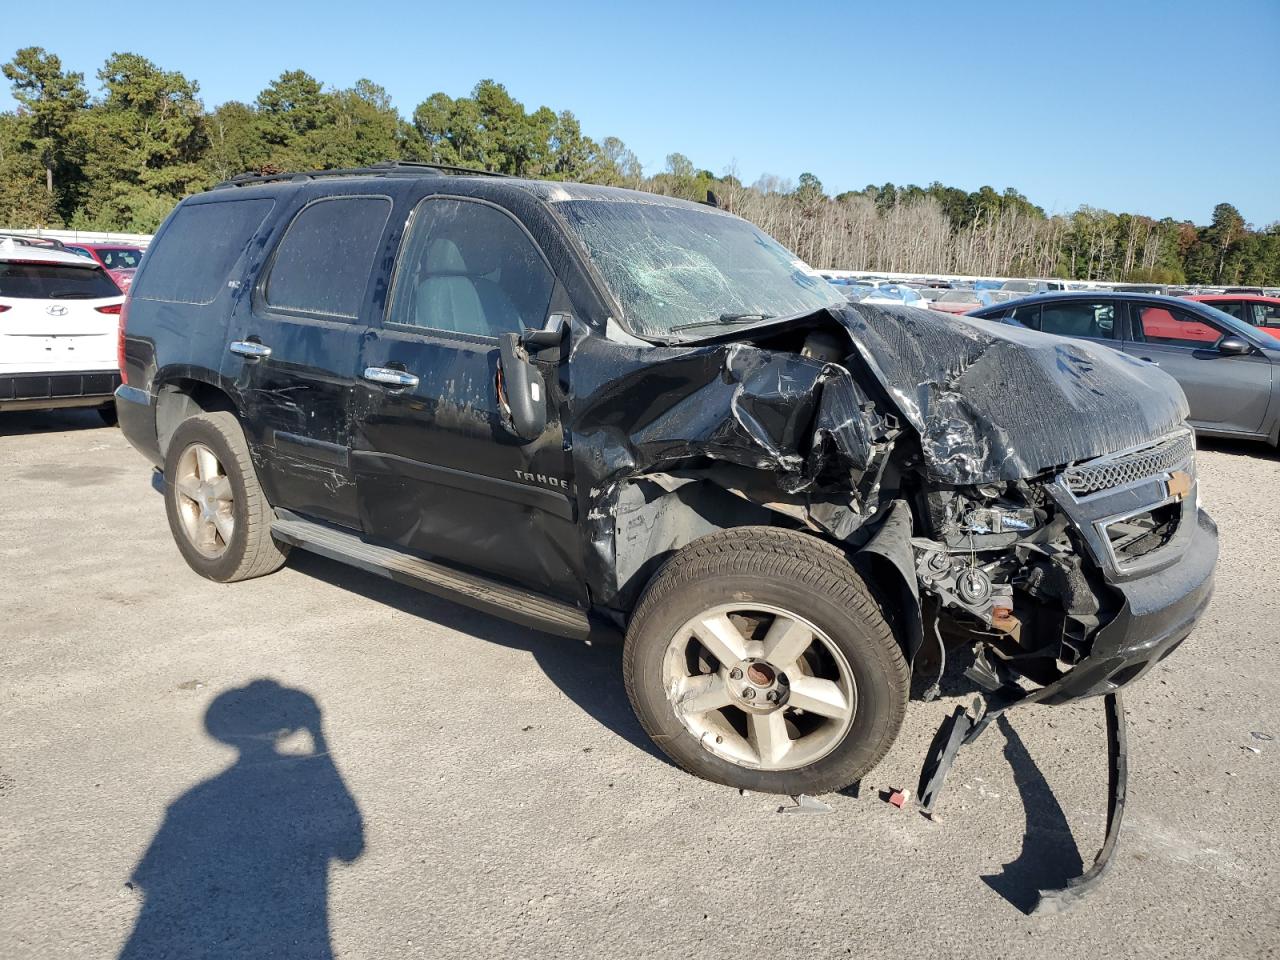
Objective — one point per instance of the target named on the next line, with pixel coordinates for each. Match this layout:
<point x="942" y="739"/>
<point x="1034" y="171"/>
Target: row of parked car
<point x="59" y="312"/>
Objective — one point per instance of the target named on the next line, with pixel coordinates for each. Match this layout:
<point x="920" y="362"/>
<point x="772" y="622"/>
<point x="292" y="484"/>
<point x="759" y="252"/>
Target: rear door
<point x="438" y="471"/>
<point x="56" y="316"/>
<point x="1227" y="393"/>
<point x="293" y="347"/>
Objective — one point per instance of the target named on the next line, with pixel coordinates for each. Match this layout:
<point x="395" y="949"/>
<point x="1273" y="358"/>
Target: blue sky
<point x="1162" y="108"/>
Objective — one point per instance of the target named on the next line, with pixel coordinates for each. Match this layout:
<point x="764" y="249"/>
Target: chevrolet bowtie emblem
<point x="1179" y="484"/>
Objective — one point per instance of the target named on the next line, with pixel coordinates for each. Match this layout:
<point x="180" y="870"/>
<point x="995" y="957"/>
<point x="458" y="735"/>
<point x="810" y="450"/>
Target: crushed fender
<point x="794" y="433"/>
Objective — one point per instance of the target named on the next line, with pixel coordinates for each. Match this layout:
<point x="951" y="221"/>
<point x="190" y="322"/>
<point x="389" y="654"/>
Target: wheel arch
<point x="658" y="515"/>
<point x="182" y="396"/>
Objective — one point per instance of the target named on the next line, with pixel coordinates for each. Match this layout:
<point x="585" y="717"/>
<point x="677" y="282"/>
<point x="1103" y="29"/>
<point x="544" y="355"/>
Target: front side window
<point x="674" y="267"/>
<point x="469" y="268"/>
<point x="1174" y="327"/>
<point x="1079" y="318"/>
<point x="322" y="265"/>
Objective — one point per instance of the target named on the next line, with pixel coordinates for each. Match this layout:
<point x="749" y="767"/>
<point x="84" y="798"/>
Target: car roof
<point x="19" y="251"/>
<point x="118" y="245"/>
<point x="549" y="191"/>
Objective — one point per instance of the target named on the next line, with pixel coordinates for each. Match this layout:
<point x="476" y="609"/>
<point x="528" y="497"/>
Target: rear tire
<point x="780" y="617"/>
<point x="108" y="414"/>
<point x="218" y="514"/>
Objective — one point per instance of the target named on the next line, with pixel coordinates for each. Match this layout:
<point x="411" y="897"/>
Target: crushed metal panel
<point x="641" y="410"/>
<point x="995" y="402"/>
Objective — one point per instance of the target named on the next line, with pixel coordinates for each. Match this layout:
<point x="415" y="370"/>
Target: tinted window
<point x="1231" y="307"/>
<point x="52" y="281"/>
<point x="1028" y="315"/>
<point x="191" y="259"/>
<point x="1078" y="318"/>
<point x="469" y="268"/>
<point x="1172" y="326"/>
<point x="322" y="265"/>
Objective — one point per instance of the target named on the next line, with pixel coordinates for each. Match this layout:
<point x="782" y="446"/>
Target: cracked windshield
<point x="679" y="270"/>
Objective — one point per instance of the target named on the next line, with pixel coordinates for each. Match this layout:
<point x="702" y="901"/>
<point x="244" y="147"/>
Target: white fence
<point x="84" y="236"/>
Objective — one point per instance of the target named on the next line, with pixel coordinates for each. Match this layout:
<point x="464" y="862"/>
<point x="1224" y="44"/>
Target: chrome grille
<point x="1103" y="474"/>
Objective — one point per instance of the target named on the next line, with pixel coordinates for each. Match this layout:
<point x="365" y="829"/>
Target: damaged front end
<point x="1078" y="581"/>
<point x="1030" y="498"/>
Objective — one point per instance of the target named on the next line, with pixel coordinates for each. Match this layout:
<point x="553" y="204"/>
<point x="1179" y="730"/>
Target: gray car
<point x="1229" y="370"/>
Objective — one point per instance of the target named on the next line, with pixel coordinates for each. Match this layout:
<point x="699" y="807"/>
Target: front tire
<point x="757" y="658"/>
<point x="218" y="514"/>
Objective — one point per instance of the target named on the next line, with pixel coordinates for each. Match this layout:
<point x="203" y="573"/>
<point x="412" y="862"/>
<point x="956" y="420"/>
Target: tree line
<point x="121" y="157"/>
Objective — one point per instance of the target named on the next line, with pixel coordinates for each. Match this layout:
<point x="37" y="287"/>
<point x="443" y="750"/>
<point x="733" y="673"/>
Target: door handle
<point x="250" y="349"/>
<point x="393" y="378"/>
<point x="1154" y="363"/>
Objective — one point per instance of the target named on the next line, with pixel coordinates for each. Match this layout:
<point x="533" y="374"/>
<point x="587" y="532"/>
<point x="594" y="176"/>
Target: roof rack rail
<point x="373" y="170"/>
<point x="27" y="240"/>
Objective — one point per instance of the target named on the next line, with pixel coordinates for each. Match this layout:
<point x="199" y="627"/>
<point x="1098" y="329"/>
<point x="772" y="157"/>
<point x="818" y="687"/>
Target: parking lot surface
<point x="460" y="786"/>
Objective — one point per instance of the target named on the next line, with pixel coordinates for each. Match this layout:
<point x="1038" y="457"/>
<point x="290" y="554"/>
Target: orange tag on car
<point x="1179" y="484"/>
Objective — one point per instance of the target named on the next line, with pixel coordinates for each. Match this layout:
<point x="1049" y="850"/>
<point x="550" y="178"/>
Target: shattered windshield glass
<point x="674" y="268"/>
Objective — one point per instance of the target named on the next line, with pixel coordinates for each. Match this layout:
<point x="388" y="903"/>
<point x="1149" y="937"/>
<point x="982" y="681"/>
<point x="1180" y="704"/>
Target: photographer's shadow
<point x="240" y="865"/>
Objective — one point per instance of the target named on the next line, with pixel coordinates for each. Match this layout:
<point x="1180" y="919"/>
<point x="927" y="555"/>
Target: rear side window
<point x="1028" y="316"/>
<point x="322" y="265"/>
<point x="1077" y="318"/>
<point x="1231" y="307"/>
<point x="53" y="281"/>
<point x="193" y="257"/>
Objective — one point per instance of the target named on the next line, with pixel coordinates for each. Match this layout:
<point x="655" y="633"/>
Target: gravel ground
<point x="477" y="789"/>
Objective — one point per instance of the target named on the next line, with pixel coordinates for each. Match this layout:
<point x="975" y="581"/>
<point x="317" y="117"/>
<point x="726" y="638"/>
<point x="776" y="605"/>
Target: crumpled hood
<point x="995" y="401"/>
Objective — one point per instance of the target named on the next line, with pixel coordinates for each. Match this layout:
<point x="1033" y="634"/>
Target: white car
<point x="59" y="327"/>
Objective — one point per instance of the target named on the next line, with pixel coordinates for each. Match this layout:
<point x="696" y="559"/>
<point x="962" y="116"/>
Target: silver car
<point x="1229" y="370"/>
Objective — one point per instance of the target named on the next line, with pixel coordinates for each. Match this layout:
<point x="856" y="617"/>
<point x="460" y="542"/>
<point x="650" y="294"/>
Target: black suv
<point x="590" y="409"/>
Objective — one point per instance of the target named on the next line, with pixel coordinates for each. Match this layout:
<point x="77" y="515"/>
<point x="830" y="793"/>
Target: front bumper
<point x="1158" y="611"/>
<point x="48" y="391"/>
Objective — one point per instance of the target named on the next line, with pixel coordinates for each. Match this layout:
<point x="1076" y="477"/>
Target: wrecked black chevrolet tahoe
<point x="589" y="409"/>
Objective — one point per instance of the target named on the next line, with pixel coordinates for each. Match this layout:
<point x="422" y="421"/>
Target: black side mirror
<point x="521" y="390"/>
<point x="1232" y="346"/>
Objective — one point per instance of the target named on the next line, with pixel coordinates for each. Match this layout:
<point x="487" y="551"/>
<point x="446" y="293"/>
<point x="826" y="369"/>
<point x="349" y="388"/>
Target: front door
<point x="1227" y="393"/>
<point x="438" y="472"/>
<point x="293" y="349"/>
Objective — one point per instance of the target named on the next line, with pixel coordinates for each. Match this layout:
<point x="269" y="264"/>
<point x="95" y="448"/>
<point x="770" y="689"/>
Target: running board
<point x="511" y="603"/>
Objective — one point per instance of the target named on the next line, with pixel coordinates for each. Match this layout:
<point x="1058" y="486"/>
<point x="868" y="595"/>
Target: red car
<point x="119" y="260"/>
<point x="1262" y="312"/>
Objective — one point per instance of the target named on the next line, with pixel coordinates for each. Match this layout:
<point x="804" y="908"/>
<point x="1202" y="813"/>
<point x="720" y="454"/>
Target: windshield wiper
<point x="725" y="319"/>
